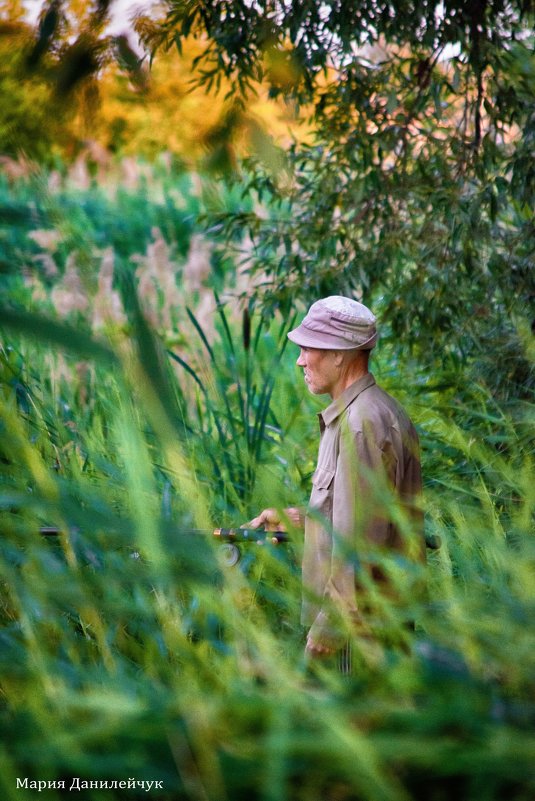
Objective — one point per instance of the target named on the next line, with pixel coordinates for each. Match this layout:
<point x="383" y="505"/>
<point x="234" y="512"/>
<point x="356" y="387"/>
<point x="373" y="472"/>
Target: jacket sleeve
<point x="363" y="465"/>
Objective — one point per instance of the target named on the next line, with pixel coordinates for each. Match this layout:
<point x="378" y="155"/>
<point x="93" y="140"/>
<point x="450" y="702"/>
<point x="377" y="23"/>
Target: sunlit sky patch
<point x="121" y="13"/>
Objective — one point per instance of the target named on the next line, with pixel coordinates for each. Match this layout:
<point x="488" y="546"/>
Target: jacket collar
<point x="349" y="394"/>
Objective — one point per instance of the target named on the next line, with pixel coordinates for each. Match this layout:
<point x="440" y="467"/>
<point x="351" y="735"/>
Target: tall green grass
<point x="131" y="650"/>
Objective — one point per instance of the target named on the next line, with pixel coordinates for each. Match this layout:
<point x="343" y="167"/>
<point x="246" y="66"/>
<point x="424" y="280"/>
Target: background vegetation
<point x="155" y="249"/>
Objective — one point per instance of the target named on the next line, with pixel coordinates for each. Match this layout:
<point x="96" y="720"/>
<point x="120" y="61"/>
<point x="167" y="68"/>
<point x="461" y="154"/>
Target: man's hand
<point x="315" y="650"/>
<point x="270" y="519"/>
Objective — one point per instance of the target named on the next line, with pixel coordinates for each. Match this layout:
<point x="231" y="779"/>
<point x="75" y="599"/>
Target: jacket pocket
<point x="322" y="478"/>
<point x="321" y="498"/>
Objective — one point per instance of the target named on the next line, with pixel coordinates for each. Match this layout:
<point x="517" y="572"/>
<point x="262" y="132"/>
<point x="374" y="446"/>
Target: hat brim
<point x="307" y="338"/>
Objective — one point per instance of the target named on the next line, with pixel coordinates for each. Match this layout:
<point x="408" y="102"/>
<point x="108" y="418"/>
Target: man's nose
<point x="300" y="361"/>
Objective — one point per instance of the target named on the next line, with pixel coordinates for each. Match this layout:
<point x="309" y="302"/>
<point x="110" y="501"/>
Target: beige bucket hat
<point x="336" y="323"/>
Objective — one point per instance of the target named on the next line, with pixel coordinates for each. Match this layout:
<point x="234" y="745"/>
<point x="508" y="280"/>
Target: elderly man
<point x="367" y="475"/>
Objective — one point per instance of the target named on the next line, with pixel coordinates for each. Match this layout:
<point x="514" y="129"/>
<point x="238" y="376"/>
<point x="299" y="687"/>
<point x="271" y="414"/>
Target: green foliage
<point x="31" y="120"/>
<point x="130" y="649"/>
<point x="91" y="219"/>
<point x="46" y="228"/>
<point x="236" y="408"/>
<point x="414" y="190"/>
<point x="50" y="75"/>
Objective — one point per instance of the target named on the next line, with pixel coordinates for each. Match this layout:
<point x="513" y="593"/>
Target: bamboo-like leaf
<point x="66" y="337"/>
<point x="187" y="368"/>
<point x="200" y="332"/>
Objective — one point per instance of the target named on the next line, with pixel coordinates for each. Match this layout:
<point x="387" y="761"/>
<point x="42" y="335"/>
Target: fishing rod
<point x="228" y="537"/>
<point x="257" y="536"/>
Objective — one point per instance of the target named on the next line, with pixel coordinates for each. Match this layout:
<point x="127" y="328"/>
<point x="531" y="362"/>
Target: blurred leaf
<point x="81" y="61"/>
<point x="64" y="336"/>
<point x="47" y="30"/>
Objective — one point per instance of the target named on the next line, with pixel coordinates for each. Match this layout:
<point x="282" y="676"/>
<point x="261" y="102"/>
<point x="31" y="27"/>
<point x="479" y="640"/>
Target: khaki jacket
<point x="368" y="476"/>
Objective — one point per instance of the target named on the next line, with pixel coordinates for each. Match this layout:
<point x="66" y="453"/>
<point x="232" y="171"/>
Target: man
<point x="367" y="476"/>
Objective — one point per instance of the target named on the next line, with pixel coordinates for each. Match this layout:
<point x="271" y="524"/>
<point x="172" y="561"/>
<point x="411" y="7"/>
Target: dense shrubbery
<point x="146" y="390"/>
<point x="129" y="648"/>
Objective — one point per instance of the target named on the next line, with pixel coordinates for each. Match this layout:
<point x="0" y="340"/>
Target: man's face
<point x="320" y="371"/>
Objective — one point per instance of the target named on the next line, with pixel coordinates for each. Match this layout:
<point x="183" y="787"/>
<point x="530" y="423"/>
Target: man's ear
<point x="338" y="357"/>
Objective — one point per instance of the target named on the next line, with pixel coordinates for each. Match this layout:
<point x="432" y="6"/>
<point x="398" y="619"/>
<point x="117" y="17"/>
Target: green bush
<point x="129" y="648"/>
